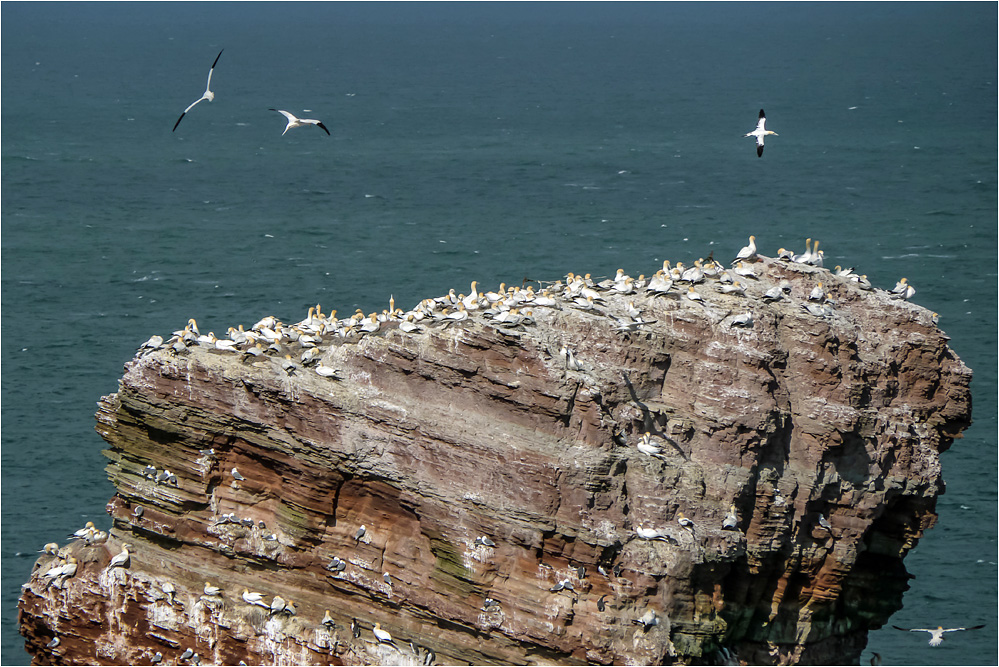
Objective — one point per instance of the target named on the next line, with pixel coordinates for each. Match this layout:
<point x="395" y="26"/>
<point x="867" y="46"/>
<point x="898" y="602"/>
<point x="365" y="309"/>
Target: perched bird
<point x="277" y="605"/>
<point x="208" y="95"/>
<point x="51" y="549"/>
<point x="648" y="534"/>
<point x="211" y="590"/>
<point x="121" y="558"/>
<point x="748" y="252"/>
<point x="355" y="629"/>
<point x="648" y="620"/>
<point x="600" y="603"/>
<point x="84" y="532"/>
<point x="557" y="587"/>
<point x="294" y="121"/>
<point x="824" y="523"/>
<point x="360" y="533"/>
<point x="936" y="634"/>
<point x="731" y="520"/>
<point x="903" y="290"/>
<point x="381" y="635"/>
<point x="52" y="644"/>
<point x="157" y="658"/>
<point x="570" y="359"/>
<point x="328" y="620"/>
<point x="684" y="521"/>
<point x="760" y="132"/>
<point x="169" y="590"/>
<point x="254" y="599"/>
<point x="484" y="541"/>
<point x="817" y="294"/>
<point x="188" y="652"/>
<point x="236" y="475"/>
<point x="387" y="578"/>
<point x="742" y="320"/>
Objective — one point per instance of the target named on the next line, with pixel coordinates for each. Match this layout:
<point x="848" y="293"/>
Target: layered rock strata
<point x="514" y="509"/>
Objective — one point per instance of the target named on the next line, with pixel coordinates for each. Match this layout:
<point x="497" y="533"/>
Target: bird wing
<point x="914" y="629"/>
<point x="759" y="147"/>
<point x="208" y="86"/>
<point x="323" y="126"/>
<point x="973" y="627"/>
<point x="289" y="116"/>
<point x="762" y="122"/>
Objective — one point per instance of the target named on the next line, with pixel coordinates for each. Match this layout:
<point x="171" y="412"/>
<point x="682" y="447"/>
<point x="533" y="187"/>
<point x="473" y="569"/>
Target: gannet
<point x="784" y="253"/>
<point x="648" y="620"/>
<point x="52" y="548"/>
<point x="693" y="295"/>
<point x="570" y="359"/>
<point x="254" y="598"/>
<point x="936" y="634"/>
<point x="817" y="294"/>
<point x="154" y="343"/>
<point x="120" y="559"/>
<point x="742" y="320"/>
<point x="382" y="635"/>
<point x="731" y="520"/>
<point x="741" y="269"/>
<point x="684" y="521"/>
<point x="169" y="590"/>
<point x="650" y="534"/>
<point x="293" y="121"/>
<point x="748" y="252"/>
<point x="760" y="132"/>
<point x="360" y="533"/>
<point x="326" y="371"/>
<point x="212" y="591"/>
<point x="277" y="605"/>
<point x="84" y="532"/>
<point x="328" y="620"/>
<point x="903" y="289"/>
<point x="775" y="293"/>
<point x="100" y="537"/>
<point x="806" y="256"/>
<point x="734" y="288"/>
<point x="646" y="447"/>
<point x="209" y="95"/>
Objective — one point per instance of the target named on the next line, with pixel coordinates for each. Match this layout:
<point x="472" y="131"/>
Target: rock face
<point x="819" y="430"/>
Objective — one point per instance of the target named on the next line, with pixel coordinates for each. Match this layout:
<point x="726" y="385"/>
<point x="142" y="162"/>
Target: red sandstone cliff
<point x="463" y="429"/>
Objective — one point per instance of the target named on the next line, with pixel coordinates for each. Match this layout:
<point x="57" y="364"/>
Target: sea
<point x="478" y="141"/>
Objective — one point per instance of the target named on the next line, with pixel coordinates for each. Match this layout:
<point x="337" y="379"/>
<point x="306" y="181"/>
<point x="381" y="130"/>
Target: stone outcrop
<point x="820" y="428"/>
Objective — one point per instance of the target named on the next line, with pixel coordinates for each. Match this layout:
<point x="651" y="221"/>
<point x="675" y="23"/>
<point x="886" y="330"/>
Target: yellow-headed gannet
<point x="748" y="252"/>
<point x="646" y="446"/>
<point x="903" y="289"/>
<point x="570" y="359"/>
<point x="382" y="635"/>
<point x="684" y="521"/>
<point x="294" y="121"/>
<point x="817" y="294"/>
<point x="742" y="320"/>
<point x="208" y="94"/>
<point x="328" y="620"/>
<point x="693" y="295"/>
<point x="84" y="532"/>
<point x="254" y="599"/>
<point x="120" y="559"/>
<point x="731" y="520"/>
<point x="277" y="605"/>
<point x="52" y="548"/>
<point x="212" y="590"/>
<point x="937" y="633"/>
<point x="805" y="256"/>
<point x="760" y="132"/>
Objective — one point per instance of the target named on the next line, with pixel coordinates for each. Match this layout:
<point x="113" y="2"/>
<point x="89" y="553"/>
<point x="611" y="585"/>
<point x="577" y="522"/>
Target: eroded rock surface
<point x="821" y="430"/>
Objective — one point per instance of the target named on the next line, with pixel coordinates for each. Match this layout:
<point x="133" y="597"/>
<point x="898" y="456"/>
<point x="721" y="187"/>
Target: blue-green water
<point x="477" y="142"/>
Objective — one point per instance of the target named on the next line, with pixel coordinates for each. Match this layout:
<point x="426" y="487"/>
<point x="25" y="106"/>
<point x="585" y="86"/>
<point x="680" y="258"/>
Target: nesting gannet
<point x="326" y="371"/>
<point x="734" y="288"/>
<point x="293" y="121"/>
<point x="741" y="269"/>
<point x="817" y="294"/>
<point x="211" y="590"/>
<point x="648" y="620"/>
<point x="684" y="521"/>
<point x="84" y="532"/>
<point x="731" y="520"/>
<point x="328" y="620"/>
<point x="760" y="132"/>
<point x="100" y="537"/>
<point x="254" y="598"/>
<point x="208" y="95"/>
<point x="121" y="558"/>
<point x="52" y="548"/>
<point x="277" y="605"/>
<point x="775" y="293"/>
<point x="693" y="295"/>
<point x="903" y="289"/>
<point x="936" y="634"/>
<point x="154" y="343"/>
<point x="382" y="635"/>
<point x="650" y="534"/>
<point x="570" y="359"/>
<point x="360" y="533"/>
<point x="748" y="252"/>
<point x="646" y="446"/>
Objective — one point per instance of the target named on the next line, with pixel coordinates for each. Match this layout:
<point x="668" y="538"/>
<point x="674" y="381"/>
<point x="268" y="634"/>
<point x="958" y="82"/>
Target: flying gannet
<point x="936" y="634"/>
<point x="760" y="132"/>
<point x="209" y="95"/>
<point x="294" y="121"/>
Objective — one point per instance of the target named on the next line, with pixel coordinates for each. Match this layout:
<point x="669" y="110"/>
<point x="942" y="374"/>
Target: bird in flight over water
<point x="209" y="95"/>
<point x="760" y="132"/>
<point x="937" y="633"/>
<point x="294" y="121"/>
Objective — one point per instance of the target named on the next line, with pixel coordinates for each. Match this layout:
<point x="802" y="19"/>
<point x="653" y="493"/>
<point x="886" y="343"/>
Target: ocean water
<point x="489" y="142"/>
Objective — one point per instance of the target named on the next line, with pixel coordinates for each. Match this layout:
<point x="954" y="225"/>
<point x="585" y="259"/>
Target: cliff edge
<point x="704" y="468"/>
